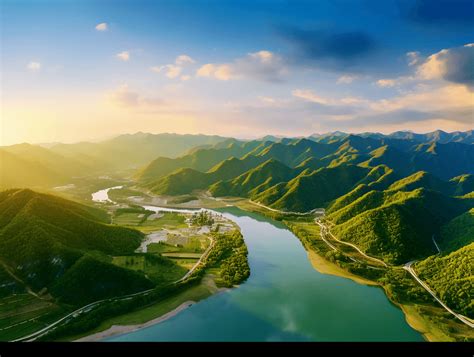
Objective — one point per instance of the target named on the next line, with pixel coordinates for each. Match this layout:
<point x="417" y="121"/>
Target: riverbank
<point x="121" y="329"/>
<point x="150" y="315"/>
<point x="423" y="316"/>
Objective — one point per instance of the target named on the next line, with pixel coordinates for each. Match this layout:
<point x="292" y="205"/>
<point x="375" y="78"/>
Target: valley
<point x="170" y="229"/>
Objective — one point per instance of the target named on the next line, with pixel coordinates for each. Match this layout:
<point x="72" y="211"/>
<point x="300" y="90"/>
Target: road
<point x="285" y="212"/>
<point x="203" y="257"/>
<point x="90" y="306"/>
<point x="326" y="229"/>
<point x="464" y="319"/>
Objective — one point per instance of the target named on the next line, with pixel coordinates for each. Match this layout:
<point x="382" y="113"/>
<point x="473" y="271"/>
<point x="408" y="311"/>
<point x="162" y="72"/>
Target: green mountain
<point x="463" y="184"/>
<point x="43" y="237"/>
<point x="451" y="277"/>
<point x="395" y="225"/>
<point x="311" y="190"/>
<point x="200" y="160"/>
<point x="255" y="180"/>
<point x="423" y="179"/>
<point x="458" y="232"/>
<point x="186" y="180"/>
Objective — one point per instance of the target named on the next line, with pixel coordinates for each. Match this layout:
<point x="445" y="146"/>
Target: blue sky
<point x="77" y="70"/>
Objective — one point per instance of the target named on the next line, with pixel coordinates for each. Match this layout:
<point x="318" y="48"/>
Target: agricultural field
<point x="23" y="314"/>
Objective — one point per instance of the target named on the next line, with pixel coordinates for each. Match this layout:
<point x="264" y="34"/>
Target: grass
<point x="23" y="314"/>
<point x="156" y="271"/>
<point x="170" y="220"/>
<point x="183" y="255"/>
<point x="196" y="293"/>
<point x="185" y="263"/>
<point x="158" y="248"/>
<point x="425" y="319"/>
<point x="129" y="219"/>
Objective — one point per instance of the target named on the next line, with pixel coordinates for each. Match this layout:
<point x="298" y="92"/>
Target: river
<point x="285" y="299"/>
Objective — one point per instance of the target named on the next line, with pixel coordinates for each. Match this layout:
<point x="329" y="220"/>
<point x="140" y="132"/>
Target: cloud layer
<point x="262" y="65"/>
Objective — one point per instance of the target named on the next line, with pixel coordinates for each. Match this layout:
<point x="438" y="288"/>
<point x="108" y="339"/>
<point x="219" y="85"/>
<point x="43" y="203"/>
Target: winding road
<point x="326" y="229"/>
<point x="462" y="318"/>
<point x="90" y="306"/>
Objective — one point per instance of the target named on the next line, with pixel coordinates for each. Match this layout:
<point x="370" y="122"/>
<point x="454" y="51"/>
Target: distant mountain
<point x="47" y="241"/>
<point x="200" y="160"/>
<point x="442" y="137"/>
<point x="35" y="166"/>
<point x="134" y="150"/>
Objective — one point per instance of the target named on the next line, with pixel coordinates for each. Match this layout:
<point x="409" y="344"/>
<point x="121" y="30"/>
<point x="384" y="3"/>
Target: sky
<point x="92" y="69"/>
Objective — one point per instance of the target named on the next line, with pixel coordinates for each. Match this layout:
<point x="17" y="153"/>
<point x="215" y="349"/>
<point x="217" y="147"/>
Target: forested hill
<point x="44" y="239"/>
<point x="388" y="194"/>
<point x="305" y="174"/>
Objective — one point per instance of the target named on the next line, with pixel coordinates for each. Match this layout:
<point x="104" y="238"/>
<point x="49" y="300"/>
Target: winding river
<point x="285" y="299"/>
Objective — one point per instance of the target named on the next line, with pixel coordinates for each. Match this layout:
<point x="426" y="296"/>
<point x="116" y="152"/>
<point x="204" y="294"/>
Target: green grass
<point x="158" y="248"/>
<point x="182" y="255"/>
<point x="129" y="219"/>
<point x="170" y="220"/>
<point x="158" y="269"/>
<point x="185" y="263"/>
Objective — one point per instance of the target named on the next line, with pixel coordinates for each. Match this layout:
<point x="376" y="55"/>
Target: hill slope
<point x="43" y="236"/>
<point x="397" y="226"/>
<point x="451" y="277"/>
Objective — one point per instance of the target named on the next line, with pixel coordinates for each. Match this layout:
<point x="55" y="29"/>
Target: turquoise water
<point x="284" y="299"/>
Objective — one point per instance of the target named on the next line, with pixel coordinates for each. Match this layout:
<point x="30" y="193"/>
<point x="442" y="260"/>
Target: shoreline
<point x="115" y="330"/>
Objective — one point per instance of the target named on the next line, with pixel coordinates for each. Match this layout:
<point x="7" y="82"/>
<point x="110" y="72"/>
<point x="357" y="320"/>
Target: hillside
<point x="312" y="190"/>
<point x="451" y="277"/>
<point x="396" y="226"/>
<point x="458" y="232"/>
<point x="42" y="237"/>
<point x="255" y="180"/>
<point x="200" y="160"/>
<point x="186" y="180"/>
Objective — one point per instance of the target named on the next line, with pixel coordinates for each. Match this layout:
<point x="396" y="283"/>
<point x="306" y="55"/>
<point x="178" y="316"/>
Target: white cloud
<point x="183" y="60"/>
<point x="346" y="79"/>
<point x="185" y="78"/>
<point x="124" y="97"/>
<point x="124" y="56"/>
<point x="170" y="70"/>
<point x="222" y="72"/>
<point x="33" y="66"/>
<point x="413" y="58"/>
<point x="261" y="65"/>
<point x="103" y="26"/>
<point x="453" y="65"/>
<point x="386" y="83"/>
<point x="310" y="96"/>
